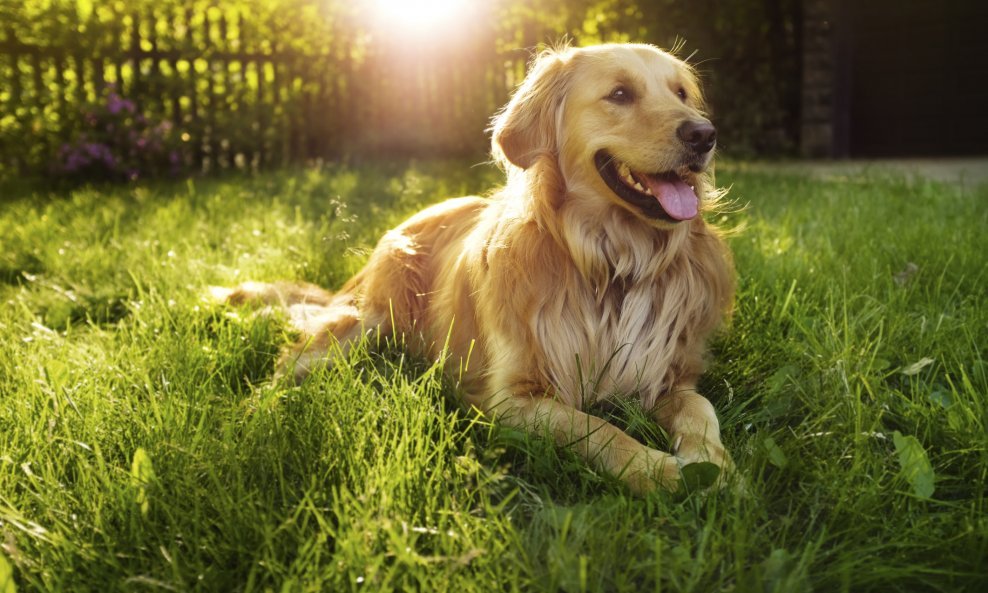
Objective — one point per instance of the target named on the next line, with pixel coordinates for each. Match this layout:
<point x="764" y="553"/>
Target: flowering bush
<point x="117" y="142"/>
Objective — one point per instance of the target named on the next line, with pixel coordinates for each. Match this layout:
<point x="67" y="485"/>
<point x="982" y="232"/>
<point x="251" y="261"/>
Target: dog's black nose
<point x="698" y="135"/>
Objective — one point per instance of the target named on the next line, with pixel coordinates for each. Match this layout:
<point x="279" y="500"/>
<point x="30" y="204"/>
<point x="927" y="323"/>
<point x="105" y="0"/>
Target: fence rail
<point x="237" y="97"/>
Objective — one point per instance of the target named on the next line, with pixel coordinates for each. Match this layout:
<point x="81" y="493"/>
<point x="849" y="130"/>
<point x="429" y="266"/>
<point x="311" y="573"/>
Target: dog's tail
<point x="279" y="294"/>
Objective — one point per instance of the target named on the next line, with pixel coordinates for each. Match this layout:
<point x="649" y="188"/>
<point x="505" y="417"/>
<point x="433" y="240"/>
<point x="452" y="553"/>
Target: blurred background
<point x="121" y="90"/>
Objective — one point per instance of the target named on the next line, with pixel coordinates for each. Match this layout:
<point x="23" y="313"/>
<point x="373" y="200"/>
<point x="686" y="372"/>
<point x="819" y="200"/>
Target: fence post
<point x="17" y="90"/>
<point x="136" y="84"/>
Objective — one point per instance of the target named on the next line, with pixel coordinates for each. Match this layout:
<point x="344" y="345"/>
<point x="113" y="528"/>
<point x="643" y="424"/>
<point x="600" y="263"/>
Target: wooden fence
<point x="241" y="96"/>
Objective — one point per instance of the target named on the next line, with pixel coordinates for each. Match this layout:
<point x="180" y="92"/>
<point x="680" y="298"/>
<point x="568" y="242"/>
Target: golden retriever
<point x="590" y="275"/>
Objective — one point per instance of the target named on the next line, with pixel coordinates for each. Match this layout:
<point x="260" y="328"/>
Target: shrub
<point x="116" y="141"/>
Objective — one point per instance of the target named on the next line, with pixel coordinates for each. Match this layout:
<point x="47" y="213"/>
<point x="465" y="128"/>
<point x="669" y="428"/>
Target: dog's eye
<point x="621" y="95"/>
<point x="681" y="93"/>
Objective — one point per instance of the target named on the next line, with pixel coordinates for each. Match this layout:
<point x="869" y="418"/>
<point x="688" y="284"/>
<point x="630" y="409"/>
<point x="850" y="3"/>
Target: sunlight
<point x="419" y="16"/>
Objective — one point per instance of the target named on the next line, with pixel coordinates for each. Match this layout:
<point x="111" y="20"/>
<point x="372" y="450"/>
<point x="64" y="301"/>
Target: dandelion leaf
<point x="916" y="467"/>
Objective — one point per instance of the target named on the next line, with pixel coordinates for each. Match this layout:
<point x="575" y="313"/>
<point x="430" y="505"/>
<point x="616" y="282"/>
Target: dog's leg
<point x="321" y="330"/>
<point x="602" y="444"/>
<point x="326" y="333"/>
<point x="327" y="323"/>
<point x="692" y="425"/>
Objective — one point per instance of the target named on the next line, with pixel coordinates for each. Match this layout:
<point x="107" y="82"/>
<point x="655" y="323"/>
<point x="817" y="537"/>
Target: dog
<point x="590" y="275"/>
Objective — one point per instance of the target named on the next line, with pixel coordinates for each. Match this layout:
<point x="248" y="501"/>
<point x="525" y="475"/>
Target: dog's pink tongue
<point x="677" y="199"/>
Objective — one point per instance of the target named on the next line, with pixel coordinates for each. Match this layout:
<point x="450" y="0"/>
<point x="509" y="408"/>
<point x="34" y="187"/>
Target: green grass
<point x="142" y="447"/>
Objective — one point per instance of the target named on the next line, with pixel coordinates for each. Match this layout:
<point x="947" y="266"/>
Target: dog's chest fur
<point x="626" y="331"/>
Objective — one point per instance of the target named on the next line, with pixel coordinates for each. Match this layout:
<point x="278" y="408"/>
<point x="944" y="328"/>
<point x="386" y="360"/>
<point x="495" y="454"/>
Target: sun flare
<point x="418" y="16"/>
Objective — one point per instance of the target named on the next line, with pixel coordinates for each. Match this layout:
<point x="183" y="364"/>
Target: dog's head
<point x="624" y="121"/>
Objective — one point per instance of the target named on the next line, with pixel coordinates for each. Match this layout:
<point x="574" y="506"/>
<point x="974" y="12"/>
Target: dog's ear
<point x="526" y="128"/>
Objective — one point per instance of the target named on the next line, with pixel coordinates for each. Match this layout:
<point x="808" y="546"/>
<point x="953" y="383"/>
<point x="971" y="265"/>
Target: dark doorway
<point x="915" y="78"/>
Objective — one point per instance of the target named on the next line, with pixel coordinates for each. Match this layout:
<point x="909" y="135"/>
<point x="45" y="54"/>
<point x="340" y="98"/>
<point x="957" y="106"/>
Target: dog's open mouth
<point x="658" y="195"/>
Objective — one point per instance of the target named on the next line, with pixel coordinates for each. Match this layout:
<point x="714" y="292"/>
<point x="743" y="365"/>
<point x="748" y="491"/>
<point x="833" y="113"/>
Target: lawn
<point x="144" y="448"/>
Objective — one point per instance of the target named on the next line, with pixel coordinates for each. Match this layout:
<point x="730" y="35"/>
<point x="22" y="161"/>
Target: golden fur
<point x="558" y="291"/>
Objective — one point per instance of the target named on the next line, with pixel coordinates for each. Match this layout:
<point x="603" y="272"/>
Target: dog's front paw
<point x="706" y="464"/>
<point x="652" y="470"/>
<point x="710" y="476"/>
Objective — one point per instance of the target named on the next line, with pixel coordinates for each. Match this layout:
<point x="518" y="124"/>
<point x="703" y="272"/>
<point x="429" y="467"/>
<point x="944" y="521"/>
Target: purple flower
<point x="108" y="159"/>
<point x="75" y="162"/>
<point x="115" y="104"/>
